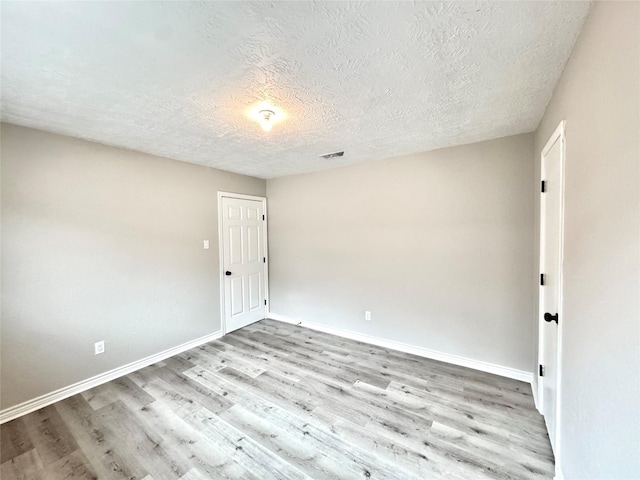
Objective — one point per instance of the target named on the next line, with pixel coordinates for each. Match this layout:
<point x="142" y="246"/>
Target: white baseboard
<point x="66" y="392"/>
<point x="508" y="372"/>
<point x="534" y="390"/>
<point x="57" y="395"/>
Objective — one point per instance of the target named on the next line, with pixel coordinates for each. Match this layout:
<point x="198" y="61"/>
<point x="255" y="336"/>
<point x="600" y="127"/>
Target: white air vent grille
<point x="332" y="155"/>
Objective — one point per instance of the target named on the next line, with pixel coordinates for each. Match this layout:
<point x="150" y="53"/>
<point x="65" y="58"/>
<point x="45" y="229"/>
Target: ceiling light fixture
<point x="265" y="119"/>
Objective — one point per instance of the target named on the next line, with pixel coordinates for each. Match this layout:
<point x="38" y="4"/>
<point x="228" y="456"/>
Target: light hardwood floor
<point x="277" y="401"/>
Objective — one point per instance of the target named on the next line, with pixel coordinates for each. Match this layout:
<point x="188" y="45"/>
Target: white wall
<point x="598" y="96"/>
<point x="439" y="246"/>
<point x="101" y="243"/>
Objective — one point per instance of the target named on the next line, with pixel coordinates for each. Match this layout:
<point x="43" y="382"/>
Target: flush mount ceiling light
<point x="265" y="117"/>
<point x="266" y="114"/>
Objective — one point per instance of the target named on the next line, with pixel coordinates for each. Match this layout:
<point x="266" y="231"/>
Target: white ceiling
<point x="376" y="79"/>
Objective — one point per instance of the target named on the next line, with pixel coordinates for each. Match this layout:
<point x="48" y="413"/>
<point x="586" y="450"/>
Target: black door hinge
<point x="262" y="217"/>
<point x="541" y="370"/>
<point x="543" y="187"/>
<point x="265" y="301"/>
<point x="542" y="279"/>
<point x="548" y="317"/>
<point x="264" y="259"/>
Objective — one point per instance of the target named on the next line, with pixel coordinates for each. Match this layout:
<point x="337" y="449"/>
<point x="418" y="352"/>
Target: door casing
<point x="221" y="195"/>
<point x="557" y="136"/>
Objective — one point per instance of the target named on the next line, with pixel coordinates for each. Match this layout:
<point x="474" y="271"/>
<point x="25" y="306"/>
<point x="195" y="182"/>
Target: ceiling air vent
<point x="332" y="155"/>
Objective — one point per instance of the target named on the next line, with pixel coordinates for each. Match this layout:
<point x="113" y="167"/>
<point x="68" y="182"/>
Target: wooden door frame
<point x="241" y="196"/>
<point x="557" y="135"/>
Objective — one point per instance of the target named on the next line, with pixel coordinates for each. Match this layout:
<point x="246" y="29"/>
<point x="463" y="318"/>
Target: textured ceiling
<point x="376" y="79"/>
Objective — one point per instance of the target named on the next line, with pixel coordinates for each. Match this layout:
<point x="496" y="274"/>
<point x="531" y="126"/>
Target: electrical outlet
<point x="367" y="315"/>
<point x="99" y="347"/>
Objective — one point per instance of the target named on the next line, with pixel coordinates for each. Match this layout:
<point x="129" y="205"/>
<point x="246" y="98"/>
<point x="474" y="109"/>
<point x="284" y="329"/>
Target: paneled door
<point x="550" y="320"/>
<point x="243" y="261"/>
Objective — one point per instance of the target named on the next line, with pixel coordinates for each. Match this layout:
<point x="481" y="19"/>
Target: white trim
<point x="534" y="391"/>
<point x="557" y="453"/>
<point x="559" y="134"/>
<point x="558" y="474"/>
<point x="66" y="392"/>
<point x="508" y="372"/>
<point x="241" y="196"/>
<point x="265" y="235"/>
<point x="221" y="263"/>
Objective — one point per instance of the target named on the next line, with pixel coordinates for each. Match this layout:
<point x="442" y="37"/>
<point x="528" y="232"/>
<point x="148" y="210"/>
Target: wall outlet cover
<point x="99" y="347"/>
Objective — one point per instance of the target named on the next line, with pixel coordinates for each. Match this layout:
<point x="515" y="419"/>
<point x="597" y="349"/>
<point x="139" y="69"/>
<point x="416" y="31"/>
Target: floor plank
<point x="278" y="401"/>
<point x="26" y="466"/>
<point x="14" y="440"/>
<point x="49" y="434"/>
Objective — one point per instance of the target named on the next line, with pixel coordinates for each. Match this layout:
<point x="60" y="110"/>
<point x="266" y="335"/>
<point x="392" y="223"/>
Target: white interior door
<point x="551" y="207"/>
<point x="243" y="261"/>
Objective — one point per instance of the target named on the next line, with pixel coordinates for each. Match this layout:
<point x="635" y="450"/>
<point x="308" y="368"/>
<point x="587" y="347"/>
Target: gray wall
<point x="439" y="246"/>
<point x="101" y="243"/>
<point x="598" y="96"/>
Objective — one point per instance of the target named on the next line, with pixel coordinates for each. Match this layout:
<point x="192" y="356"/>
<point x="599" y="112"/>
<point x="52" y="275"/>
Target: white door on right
<point x="551" y="276"/>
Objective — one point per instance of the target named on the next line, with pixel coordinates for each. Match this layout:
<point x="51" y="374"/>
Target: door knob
<point x="551" y="318"/>
<point x="227" y="273"/>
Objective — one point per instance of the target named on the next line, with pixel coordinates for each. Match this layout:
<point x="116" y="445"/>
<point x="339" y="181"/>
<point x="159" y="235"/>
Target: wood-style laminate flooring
<point x="277" y="401"/>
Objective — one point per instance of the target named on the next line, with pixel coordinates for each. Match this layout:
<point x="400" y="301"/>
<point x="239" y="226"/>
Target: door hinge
<point x="265" y="301"/>
<point x="262" y="217"/>
<point x="541" y="370"/>
<point x="542" y="279"/>
<point x="264" y="259"/>
<point x="548" y="317"/>
<point x="543" y="186"/>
